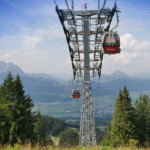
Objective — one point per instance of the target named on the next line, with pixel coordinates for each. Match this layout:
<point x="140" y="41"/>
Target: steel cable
<point x="67" y="5"/>
<point x="55" y="2"/>
<point x="98" y="4"/>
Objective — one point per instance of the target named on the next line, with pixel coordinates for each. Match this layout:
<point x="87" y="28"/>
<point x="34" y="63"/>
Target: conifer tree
<point x="23" y="114"/>
<point x="123" y="127"/>
<point x="16" y="117"/>
<point x="18" y="125"/>
<point x="29" y="119"/>
<point x="108" y="137"/>
<point x="142" y="116"/>
<point x="7" y="102"/>
<point x="40" y="131"/>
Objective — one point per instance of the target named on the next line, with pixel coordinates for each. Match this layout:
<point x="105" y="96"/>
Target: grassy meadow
<point x="37" y="147"/>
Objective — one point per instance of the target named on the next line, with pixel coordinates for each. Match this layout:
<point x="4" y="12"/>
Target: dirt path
<point x="55" y="141"/>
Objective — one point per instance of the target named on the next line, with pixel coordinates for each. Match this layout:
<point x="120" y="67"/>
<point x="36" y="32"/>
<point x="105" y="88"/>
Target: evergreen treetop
<point x="123" y="127"/>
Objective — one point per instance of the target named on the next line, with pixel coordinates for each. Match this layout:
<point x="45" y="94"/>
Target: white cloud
<point x="30" y="42"/>
<point x="129" y="42"/>
<point x="41" y="50"/>
<point x="45" y="50"/>
<point x="134" y="56"/>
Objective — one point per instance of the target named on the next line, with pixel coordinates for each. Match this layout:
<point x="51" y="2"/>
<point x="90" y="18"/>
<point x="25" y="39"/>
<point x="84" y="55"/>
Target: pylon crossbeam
<point x="72" y="22"/>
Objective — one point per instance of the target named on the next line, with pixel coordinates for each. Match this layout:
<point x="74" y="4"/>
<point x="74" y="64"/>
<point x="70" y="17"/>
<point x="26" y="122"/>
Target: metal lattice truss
<point x="87" y="122"/>
<point x="72" y="22"/>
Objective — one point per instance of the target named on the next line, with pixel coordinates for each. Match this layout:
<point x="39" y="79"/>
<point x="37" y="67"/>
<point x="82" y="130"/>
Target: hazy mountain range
<point x="51" y="95"/>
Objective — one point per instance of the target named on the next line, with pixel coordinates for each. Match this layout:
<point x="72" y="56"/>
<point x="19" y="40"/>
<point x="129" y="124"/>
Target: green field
<point x="37" y="147"/>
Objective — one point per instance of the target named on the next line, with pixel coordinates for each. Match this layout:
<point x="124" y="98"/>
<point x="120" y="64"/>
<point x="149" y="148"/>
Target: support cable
<point x="117" y="22"/>
<point x="67" y="5"/>
<point x="97" y="96"/>
<point x="72" y="5"/>
<point x="98" y="4"/>
<point x="55" y="2"/>
<point x="82" y="4"/>
<point x="96" y="35"/>
<point x="74" y="23"/>
<point x="104" y="4"/>
<point x="62" y="19"/>
<point x="73" y="66"/>
<point x="117" y="16"/>
<point x="101" y="8"/>
<point x="114" y="9"/>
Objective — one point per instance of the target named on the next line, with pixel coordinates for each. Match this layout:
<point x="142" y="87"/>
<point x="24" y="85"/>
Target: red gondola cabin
<point x="76" y="93"/>
<point x="111" y="43"/>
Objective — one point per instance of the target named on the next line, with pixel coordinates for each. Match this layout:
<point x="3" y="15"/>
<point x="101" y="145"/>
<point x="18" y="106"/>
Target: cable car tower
<point x="85" y="31"/>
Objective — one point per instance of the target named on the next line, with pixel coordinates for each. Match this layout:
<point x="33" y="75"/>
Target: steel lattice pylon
<point x="84" y="31"/>
<point x="87" y="123"/>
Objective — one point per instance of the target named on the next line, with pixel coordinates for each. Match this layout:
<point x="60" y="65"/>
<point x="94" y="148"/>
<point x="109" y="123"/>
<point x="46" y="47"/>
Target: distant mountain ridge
<point x="54" y="97"/>
<point x="37" y="84"/>
<point x="119" y="74"/>
<point x="14" y="69"/>
<point x="10" y="67"/>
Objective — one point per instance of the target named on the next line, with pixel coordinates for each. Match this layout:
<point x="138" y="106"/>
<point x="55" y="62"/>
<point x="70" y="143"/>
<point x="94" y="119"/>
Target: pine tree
<point x="23" y="116"/>
<point x="40" y="130"/>
<point x="142" y="115"/>
<point x="7" y="106"/>
<point x="108" y="137"/>
<point x="16" y="117"/>
<point x="39" y="127"/>
<point x="17" y="132"/>
<point x="30" y="120"/>
<point x="123" y="127"/>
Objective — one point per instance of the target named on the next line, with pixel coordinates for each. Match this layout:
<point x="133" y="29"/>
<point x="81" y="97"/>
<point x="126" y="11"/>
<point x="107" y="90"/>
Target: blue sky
<point x="31" y="36"/>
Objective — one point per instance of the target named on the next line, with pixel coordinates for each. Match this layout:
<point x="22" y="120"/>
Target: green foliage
<point x="69" y="138"/>
<point x="142" y="118"/>
<point x="133" y="142"/>
<point x="131" y="125"/>
<point x="99" y="136"/>
<point x="40" y="131"/>
<point x="53" y="125"/>
<point x="106" y="148"/>
<point x="18" y="124"/>
<point x="7" y="103"/>
<point x="108" y="137"/>
<point x="15" y="147"/>
<point x="123" y="127"/>
<point x="16" y="118"/>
